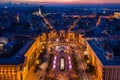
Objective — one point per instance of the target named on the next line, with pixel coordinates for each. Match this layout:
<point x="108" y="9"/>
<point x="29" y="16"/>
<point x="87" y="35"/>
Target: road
<point x="74" y="24"/>
<point x="65" y="74"/>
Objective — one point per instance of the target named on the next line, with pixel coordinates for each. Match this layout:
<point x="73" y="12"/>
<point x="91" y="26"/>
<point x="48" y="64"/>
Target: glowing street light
<point x="37" y="62"/>
<point x="69" y="62"/>
<point x="49" y="42"/>
<point x="67" y="40"/>
<point x="40" y="42"/>
<point x="85" y="52"/>
<point x="54" y="66"/>
<point x="57" y="39"/>
<point x="69" y="58"/>
<point x="70" y="66"/>
<point x="54" y="61"/>
<point x="55" y="57"/>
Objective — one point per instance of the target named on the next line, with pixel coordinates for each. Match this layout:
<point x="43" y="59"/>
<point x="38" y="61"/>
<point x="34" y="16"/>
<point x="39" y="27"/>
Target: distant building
<point x="62" y="34"/>
<point x="71" y="36"/>
<point x="38" y="13"/>
<point x="116" y="15"/>
<point x="18" y="18"/>
<point x="3" y="40"/>
<point x="1" y="46"/>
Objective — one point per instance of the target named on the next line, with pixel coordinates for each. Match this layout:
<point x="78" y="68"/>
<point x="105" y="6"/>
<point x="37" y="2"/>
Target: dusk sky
<point x="65" y="1"/>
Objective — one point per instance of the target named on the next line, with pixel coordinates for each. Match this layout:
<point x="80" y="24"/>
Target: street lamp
<point x="57" y="39"/>
<point x="37" y="62"/>
<point x="54" y="66"/>
<point x="67" y="40"/>
<point x="40" y="42"/>
<point x="85" y="52"/>
<point x="49" y="42"/>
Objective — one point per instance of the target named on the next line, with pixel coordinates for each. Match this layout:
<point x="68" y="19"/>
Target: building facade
<point x="106" y="69"/>
<point x="17" y="67"/>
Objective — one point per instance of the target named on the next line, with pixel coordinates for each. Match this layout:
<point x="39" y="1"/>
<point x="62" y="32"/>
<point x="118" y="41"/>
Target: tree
<point x="47" y="78"/>
<point x="91" y="68"/>
<point x="76" y="78"/>
<point x="86" y="58"/>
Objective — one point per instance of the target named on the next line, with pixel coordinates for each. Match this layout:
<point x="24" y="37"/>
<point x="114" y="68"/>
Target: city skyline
<point x="64" y="1"/>
<point x="59" y="40"/>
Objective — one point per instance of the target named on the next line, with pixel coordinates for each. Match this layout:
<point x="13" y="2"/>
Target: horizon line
<point x="29" y="2"/>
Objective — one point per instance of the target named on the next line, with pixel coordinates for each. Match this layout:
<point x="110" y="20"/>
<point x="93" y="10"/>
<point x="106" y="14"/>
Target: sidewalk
<point x="31" y="74"/>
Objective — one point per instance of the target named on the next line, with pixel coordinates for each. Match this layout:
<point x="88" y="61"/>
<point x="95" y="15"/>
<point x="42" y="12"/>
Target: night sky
<point x="65" y="1"/>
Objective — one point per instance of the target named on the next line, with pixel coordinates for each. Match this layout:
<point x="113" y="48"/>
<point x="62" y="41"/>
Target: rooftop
<point x="100" y="53"/>
<point x="19" y="57"/>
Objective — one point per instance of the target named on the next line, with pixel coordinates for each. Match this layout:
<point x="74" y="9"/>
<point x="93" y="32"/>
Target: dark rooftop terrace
<point x="18" y="58"/>
<point x="100" y="53"/>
